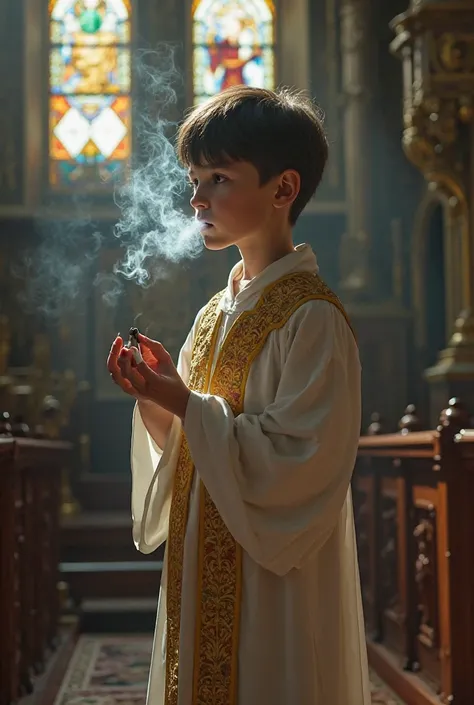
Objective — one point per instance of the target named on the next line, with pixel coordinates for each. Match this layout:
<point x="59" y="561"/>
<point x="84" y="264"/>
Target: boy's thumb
<point x="155" y="347"/>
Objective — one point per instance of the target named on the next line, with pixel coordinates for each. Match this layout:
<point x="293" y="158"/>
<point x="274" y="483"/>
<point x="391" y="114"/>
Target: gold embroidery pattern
<point x="203" y="350"/>
<point x="247" y="336"/>
<point x="219" y="569"/>
<point x="218" y="614"/>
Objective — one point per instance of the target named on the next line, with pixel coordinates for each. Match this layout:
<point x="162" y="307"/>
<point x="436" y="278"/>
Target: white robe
<point x="279" y="474"/>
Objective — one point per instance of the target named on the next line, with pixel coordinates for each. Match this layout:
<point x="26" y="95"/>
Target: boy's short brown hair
<point x="274" y="131"/>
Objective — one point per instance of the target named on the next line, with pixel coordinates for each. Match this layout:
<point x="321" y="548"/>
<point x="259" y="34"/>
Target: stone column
<point x="436" y="43"/>
<point x="382" y="326"/>
<point x="356" y="48"/>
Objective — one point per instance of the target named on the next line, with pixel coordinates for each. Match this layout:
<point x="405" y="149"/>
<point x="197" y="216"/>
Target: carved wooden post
<point x="458" y="493"/>
<point x="409" y="423"/>
<point x="376" y="425"/>
<point x="373" y="512"/>
<point x="9" y="578"/>
<point x="434" y="41"/>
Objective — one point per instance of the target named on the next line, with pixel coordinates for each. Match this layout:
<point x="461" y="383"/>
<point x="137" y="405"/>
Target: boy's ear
<point x="288" y="188"/>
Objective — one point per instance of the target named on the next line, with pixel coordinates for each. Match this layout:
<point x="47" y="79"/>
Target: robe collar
<point x="302" y="259"/>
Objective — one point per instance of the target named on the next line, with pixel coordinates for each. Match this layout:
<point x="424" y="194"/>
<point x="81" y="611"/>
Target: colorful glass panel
<point x="233" y="44"/>
<point x="90" y="81"/>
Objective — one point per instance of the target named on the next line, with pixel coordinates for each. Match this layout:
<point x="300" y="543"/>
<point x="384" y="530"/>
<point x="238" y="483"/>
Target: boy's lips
<point x="205" y="224"/>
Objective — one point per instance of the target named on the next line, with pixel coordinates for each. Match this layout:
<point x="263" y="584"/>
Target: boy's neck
<point x="258" y="254"/>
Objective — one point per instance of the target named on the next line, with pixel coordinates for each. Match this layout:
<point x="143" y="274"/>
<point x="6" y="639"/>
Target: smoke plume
<point x="153" y="229"/>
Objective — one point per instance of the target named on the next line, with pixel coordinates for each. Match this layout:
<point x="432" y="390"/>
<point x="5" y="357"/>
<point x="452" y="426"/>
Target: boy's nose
<point x="199" y="201"/>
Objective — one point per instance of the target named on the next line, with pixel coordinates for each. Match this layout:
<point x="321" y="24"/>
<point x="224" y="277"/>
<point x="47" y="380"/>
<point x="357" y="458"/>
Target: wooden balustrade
<point x="30" y="482"/>
<point x="413" y="502"/>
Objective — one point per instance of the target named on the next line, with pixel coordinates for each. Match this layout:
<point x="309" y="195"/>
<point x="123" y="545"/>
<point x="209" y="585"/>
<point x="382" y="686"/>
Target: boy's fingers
<point x="145" y="340"/>
<point x="143" y="370"/>
<point x="156" y="348"/>
<point x="137" y="380"/>
<point x="119" y="365"/>
<point x="112" y="362"/>
<point x="128" y="366"/>
<point x="124" y="361"/>
<point x="146" y="373"/>
<point x="117" y="374"/>
<point x="124" y="385"/>
<point x="114" y="350"/>
<point x="117" y="344"/>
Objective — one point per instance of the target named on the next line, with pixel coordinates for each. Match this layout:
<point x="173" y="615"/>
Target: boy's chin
<point x="214" y="241"/>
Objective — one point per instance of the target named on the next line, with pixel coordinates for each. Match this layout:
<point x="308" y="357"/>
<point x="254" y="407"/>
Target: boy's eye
<point x="218" y="178"/>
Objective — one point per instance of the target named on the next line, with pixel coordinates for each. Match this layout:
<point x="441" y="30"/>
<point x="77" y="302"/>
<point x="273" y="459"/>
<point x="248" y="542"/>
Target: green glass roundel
<point x="90" y="21"/>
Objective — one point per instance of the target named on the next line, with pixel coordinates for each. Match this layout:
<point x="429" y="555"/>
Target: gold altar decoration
<point x="435" y="41"/>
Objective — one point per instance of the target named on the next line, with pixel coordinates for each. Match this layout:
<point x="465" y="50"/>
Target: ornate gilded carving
<point x="426" y="578"/>
<point x="457" y="360"/>
<point x="438" y="89"/>
<point x="436" y="45"/>
<point x="453" y="53"/>
<point x="431" y="142"/>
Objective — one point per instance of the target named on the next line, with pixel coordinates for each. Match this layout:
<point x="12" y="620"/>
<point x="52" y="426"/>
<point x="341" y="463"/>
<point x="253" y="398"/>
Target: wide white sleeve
<point x="153" y="469"/>
<point x="279" y="478"/>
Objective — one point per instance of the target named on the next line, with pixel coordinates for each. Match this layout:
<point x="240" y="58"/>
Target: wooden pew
<point x="413" y="502"/>
<point x="30" y="481"/>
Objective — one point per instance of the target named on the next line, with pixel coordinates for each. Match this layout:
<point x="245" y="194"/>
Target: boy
<point x="242" y="456"/>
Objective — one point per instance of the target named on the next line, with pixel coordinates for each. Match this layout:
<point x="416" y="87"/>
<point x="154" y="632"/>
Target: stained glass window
<point x="233" y="43"/>
<point x="90" y="103"/>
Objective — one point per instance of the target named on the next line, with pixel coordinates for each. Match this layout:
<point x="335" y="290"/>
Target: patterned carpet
<point x="113" y="670"/>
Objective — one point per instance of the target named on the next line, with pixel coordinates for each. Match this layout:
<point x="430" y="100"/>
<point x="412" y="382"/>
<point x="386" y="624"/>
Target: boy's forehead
<point x="208" y="166"/>
<point x="224" y="164"/>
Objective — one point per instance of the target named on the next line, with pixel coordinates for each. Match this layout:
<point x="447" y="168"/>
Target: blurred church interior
<point x="82" y="84"/>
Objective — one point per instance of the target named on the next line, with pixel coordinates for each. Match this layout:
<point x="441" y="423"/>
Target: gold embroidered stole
<point x="219" y="566"/>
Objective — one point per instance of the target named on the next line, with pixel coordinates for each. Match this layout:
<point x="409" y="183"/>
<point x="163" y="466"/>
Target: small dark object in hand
<point x="133" y="338"/>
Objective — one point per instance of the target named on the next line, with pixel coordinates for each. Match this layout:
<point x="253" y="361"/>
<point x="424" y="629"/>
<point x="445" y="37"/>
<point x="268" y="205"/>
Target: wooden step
<point x="119" y="615"/>
<point x="112" y="579"/>
<point x="121" y="604"/>
<point x="101" y="536"/>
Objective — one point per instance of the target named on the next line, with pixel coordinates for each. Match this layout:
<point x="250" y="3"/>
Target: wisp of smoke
<point x="56" y="270"/>
<point x="153" y="227"/>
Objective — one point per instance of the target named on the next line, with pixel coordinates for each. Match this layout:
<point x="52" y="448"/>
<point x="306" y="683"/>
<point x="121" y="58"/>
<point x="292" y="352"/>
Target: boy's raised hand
<point x="115" y="370"/>
<point x="153" y="352"/>
<point x="150" y="375"/>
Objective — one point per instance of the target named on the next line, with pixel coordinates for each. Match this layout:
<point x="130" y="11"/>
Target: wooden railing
<point x="414" y="510"/>
<point x="30" y="481"/>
